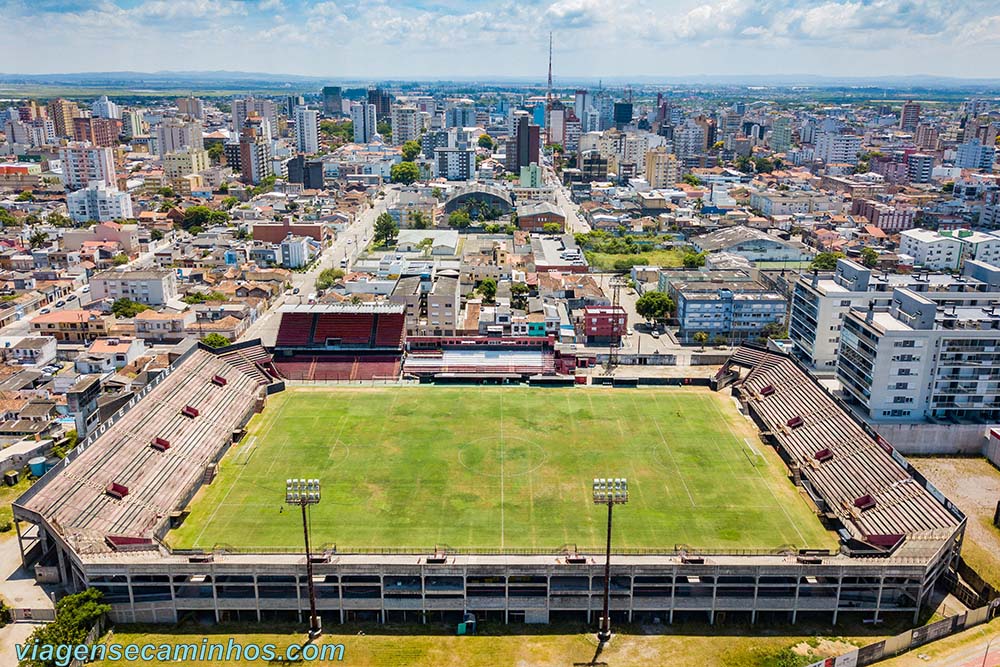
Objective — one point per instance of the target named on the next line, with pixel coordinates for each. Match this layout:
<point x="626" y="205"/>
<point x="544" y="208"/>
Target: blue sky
<point x="441" y="38"/>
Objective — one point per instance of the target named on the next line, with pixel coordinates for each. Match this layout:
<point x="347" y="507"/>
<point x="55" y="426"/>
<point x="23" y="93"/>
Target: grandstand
<point x="515" y="363"/>
<point x="342" y="342"/>
<point x="852" y="474"/>
<point x="376" y="326"/>
<point x="118" y="487"/>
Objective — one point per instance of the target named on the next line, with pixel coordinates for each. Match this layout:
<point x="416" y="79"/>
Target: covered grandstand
<point x="340" y="342"/>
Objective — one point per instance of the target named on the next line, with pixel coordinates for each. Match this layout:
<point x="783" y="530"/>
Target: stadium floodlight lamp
<point x="302" y="491"/>
<point x="610" y="490"/>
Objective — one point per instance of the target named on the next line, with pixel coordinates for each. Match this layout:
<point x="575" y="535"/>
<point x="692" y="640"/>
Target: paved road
<point x="574" y="223"/>
<point x="348" y="244"/>
<point x="19" y="589"/>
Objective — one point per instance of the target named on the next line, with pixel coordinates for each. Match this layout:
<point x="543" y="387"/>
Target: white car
<point x="654" y="334"/>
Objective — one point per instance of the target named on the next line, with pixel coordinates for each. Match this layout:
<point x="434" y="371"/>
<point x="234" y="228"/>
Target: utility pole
<point x="608" y="492"/>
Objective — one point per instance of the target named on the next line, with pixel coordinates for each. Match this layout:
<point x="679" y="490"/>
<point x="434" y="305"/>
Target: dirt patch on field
<point x="973" y="485"/>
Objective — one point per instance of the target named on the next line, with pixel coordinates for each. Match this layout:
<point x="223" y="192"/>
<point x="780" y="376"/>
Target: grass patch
<point x="8" y="494"/>
<point x="604" y="261"/>
<point x="386" y="646"/>
<point x="503" y="467"/>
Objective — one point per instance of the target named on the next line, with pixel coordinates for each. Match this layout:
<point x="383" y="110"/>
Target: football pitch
<point x="502" y="467"/>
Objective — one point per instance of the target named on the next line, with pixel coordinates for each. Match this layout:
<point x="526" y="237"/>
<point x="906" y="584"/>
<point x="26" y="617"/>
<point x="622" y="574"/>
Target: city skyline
<point x="636" y="38"/>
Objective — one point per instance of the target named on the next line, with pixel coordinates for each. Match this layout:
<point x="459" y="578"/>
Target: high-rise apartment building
<point x="406" y="124"/>
<point x="382" y="100"/>
<point x="191" y="106"/>
<point x="364" y="116"/>
<point x="523" y="148"/>
<point x="306" y="130"/>
<point x="174" y="135"/>
<point x="909" y="116"/>
<point x="62" y="112"/>
<point x="99" y="203"/>
<point x="835" y="148"/>
<point x="83" y="165"/>
<point x="781" y="134"/>
<point x="975" y="155"/>
<point x="102" y="107"/>
<point x="97" y="130"/>
<point x="919" y="167"/>
<point x="266" y="109"/>
<point x="663" y="169"/>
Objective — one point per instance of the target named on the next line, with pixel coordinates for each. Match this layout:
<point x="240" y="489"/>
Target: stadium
<point x="758" y="498"/>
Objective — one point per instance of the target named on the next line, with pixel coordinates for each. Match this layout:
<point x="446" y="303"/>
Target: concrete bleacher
<point x="360" y="326"/>
<point x="157" y="481"/>
<point x="478" y="361"/>
<point x="339" y="367"/>
<point x="856" y="476"/>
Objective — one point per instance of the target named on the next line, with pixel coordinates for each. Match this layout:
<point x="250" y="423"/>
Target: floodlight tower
<point x="615" y="340"/>
<point x="608" y="492"/>
<point x="305" y="492"/>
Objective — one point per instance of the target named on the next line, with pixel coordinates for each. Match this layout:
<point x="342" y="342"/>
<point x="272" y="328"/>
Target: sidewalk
<point x="18" y="588"/>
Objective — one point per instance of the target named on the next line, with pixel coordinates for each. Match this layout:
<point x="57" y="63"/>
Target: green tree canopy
<point x="419" y="220"/>
<point x="385" y="229"/>
<point x="121" y="259"/>
<point x="215" y="153"/>
<point x="691" y="179"/>
<point x="202" y="297"/>
<point x="488" y="288"/>
<point x="486" y="141"/>
<point x="76" y="614"/>
<point x="459" y="219"/>
<point x="203" y="216"/>
<point x="701" y="337"/>
<point x="826" y="261"/>
<point x="654" y="305"/>
<point x="552" y="228"/>
<point x="328" y="277"/>
<point x="127" y="308"/>
<point x="694" y="260"/>
<point x="38" y="239"/>
<point x="215" y="340"/>
<point x="404" y="172"/>
<point x="411" y="149"/>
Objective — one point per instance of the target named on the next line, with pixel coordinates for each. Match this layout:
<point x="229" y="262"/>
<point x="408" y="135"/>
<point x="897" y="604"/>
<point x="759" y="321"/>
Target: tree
<point x="229" y="202"/>
<point x="869" y="257"/>
<point x="384" y="129"/>
<point x="385" y="229"/>
<point x="488" y="288"/>
<point x="58" y="220"/>
<point x="552" y="228"/>
<point x="404" y="172"/>
<point x="215" y="153"/>
<point x="120" y="259"/>
<point x="485" y="141"/>
<point x="418" y="220"/>
<point x="215" y="340"/>
<point x="826" y="261"/>
<point x="126" y="308"/>
<point x="224" y="187"/>
<point x="691" y="179"/>
<point x="76" y="614"/>
<point x="948" y="187"/>
<point x="202" y="297"/>
<point x="411" y="149"/>
<point x="654" y="306"/>
<point x="25" y="195"/>
<point x="519" y="294"/>
<point x="167" y="192"/>
<point x="156" y="235"/>
<point x="436" y="192"/>
<point x="772" y="330"/>
<point x="763" y="165"/>
<point x="328" y="277"/>
<point x="702" y="338"/>
<point x="38" y="239"/>
<point x="694" y="260"/>
<point x="202" y="216"/>
<point x="459" y="219"/>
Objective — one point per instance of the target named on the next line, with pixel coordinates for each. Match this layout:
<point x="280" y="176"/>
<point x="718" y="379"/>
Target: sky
<point x="352" y="39"/>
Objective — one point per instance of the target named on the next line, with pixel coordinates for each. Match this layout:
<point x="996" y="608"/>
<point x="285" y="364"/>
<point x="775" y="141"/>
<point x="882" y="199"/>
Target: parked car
<point x="86" y="288"/>
<point x="45" y="311"/>
<point x="71" y="297"/>
<point x="295" y="291"/>
<point x="654" y="333"/>
<point x="60" y="303"/>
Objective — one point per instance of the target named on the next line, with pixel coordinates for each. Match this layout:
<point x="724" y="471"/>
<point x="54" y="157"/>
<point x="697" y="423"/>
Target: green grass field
<point x="502" y="467"/>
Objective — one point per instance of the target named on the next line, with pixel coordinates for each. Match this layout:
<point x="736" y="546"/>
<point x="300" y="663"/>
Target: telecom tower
<point x="616" y="284"/>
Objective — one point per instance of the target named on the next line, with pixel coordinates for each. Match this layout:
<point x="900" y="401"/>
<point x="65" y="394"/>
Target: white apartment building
<point x="975" y="155"/>
<point x="924" y="356"/>
<point x="306" y="130"/>
<point x="83" y="164"/>
<point x="266" y="109"/>
<point x="821" y="301"/>
<point x="455" y="164"/>
<point x="365" y="121"/>
<point x="105" y="108"/>
<point x="779" y="202"/>
<point x="174" y="135"/>
<point x="837" y="148"/>
<point x="946" y="250"/>
<point x="97" y="202"/>
<point x="152" y="287"/>
<point x="406" y="124"/>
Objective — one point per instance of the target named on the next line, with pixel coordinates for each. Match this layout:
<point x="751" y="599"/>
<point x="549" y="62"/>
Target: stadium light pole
<point x="610" y="492"/>
<point x="305" y="492"/>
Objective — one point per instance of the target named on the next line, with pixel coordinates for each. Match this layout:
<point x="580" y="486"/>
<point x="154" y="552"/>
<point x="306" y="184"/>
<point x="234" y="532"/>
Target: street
<point x="348" y="244"/>
<point x="574" y="223"/>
